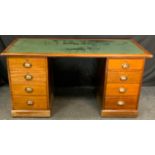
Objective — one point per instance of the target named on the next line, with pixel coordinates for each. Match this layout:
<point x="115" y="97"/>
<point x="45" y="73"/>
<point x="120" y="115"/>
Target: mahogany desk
<point x="29" y="77"/>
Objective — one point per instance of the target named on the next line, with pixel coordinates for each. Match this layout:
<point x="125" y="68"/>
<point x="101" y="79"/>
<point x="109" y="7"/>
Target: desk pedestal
<point x="121" y="89"/>
<point x="28" y="78"/>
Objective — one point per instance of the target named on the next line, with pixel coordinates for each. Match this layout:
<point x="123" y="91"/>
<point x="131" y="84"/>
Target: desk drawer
<point x="125" y="64"/>
<point x="27" y="64"/>
<point x="122" y="89"/>
<point x="29" y="89"/>
<point x="22" y="77"/>
<point x="124" y="77"/>
<point x="30" y="103"/>
<point x="120" y="103"/>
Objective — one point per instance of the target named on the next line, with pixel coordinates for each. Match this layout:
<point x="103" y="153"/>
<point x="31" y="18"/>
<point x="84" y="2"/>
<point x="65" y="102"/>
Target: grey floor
<point x="81" y="107"/>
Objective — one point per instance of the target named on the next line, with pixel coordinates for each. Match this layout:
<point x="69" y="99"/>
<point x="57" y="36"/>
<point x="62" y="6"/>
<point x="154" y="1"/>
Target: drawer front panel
<point x="27" y="64"/>
<point x="22" y="77"/>
<point x="118" y="103"/>
<point x="125" y="64"/>
<point x="30" y="103"/>
<point x="30" y="89"/>
<point x="122" y="89"/>
<point x="124" y="77"/>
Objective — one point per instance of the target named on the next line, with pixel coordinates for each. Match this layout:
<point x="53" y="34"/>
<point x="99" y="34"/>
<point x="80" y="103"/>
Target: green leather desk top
<point x="54" y="47"/>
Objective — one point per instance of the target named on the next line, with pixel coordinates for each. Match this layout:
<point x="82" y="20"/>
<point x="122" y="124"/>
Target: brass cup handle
<point x="125" y="66"/>
<point x="27" y="65"/>
<point x="30" y="102"/>
<point x="122" y="90"/>
<point x="28" y="77"/>
<point x="120" y="103"/>
<point x="29" y="90"/>
<point x="123" y="78"/>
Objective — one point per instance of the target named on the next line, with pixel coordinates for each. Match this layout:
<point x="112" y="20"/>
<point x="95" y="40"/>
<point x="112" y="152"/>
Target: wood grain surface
<point x="132" y="77"/>
<point x="129" y="103"/>
<point x="39" y="103"/>
<point x="17" y="64"/>
<point x="131" y="89"/>
<point x="134" y="64"/>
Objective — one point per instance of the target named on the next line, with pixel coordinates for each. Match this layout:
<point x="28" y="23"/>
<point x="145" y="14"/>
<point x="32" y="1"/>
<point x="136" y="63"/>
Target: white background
<point x="68" y="17"/>
<point x="77" y="17"/>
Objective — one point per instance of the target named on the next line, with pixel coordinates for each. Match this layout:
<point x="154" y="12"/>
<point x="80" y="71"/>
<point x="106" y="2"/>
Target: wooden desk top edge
<point x="146" y="54"/>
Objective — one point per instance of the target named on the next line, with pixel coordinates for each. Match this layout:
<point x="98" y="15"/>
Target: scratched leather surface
<point x="75" y="46"/>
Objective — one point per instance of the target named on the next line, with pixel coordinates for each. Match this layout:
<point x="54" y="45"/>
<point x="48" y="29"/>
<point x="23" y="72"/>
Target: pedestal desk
<point x="121" y="74"/>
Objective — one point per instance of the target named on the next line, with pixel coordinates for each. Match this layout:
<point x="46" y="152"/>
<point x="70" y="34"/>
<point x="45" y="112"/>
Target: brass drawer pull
<point x="123" y="78"/>
<point x="27" y="65"/>
<point x="30" y="102"/>
<point x="122" y="90"/>
<point x="120" y="103"/>
<point x="29" y="90"/>
<point x="28" y="77"/>
<point x="125" y="66"/>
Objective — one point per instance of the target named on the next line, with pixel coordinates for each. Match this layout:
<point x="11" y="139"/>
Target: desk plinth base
<point x="119" y="113"/>
<point x="31" y="113"/>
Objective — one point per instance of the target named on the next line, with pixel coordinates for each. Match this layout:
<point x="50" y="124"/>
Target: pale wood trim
<point x="140" y="83"/>
<point x="119" y="113"/>
<point x="10" y="82"/>
<point x="31" y="113"/>
<point x="105" y="84"/>
<point x="47" y="83"/>
<point x="79" y="55"/>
